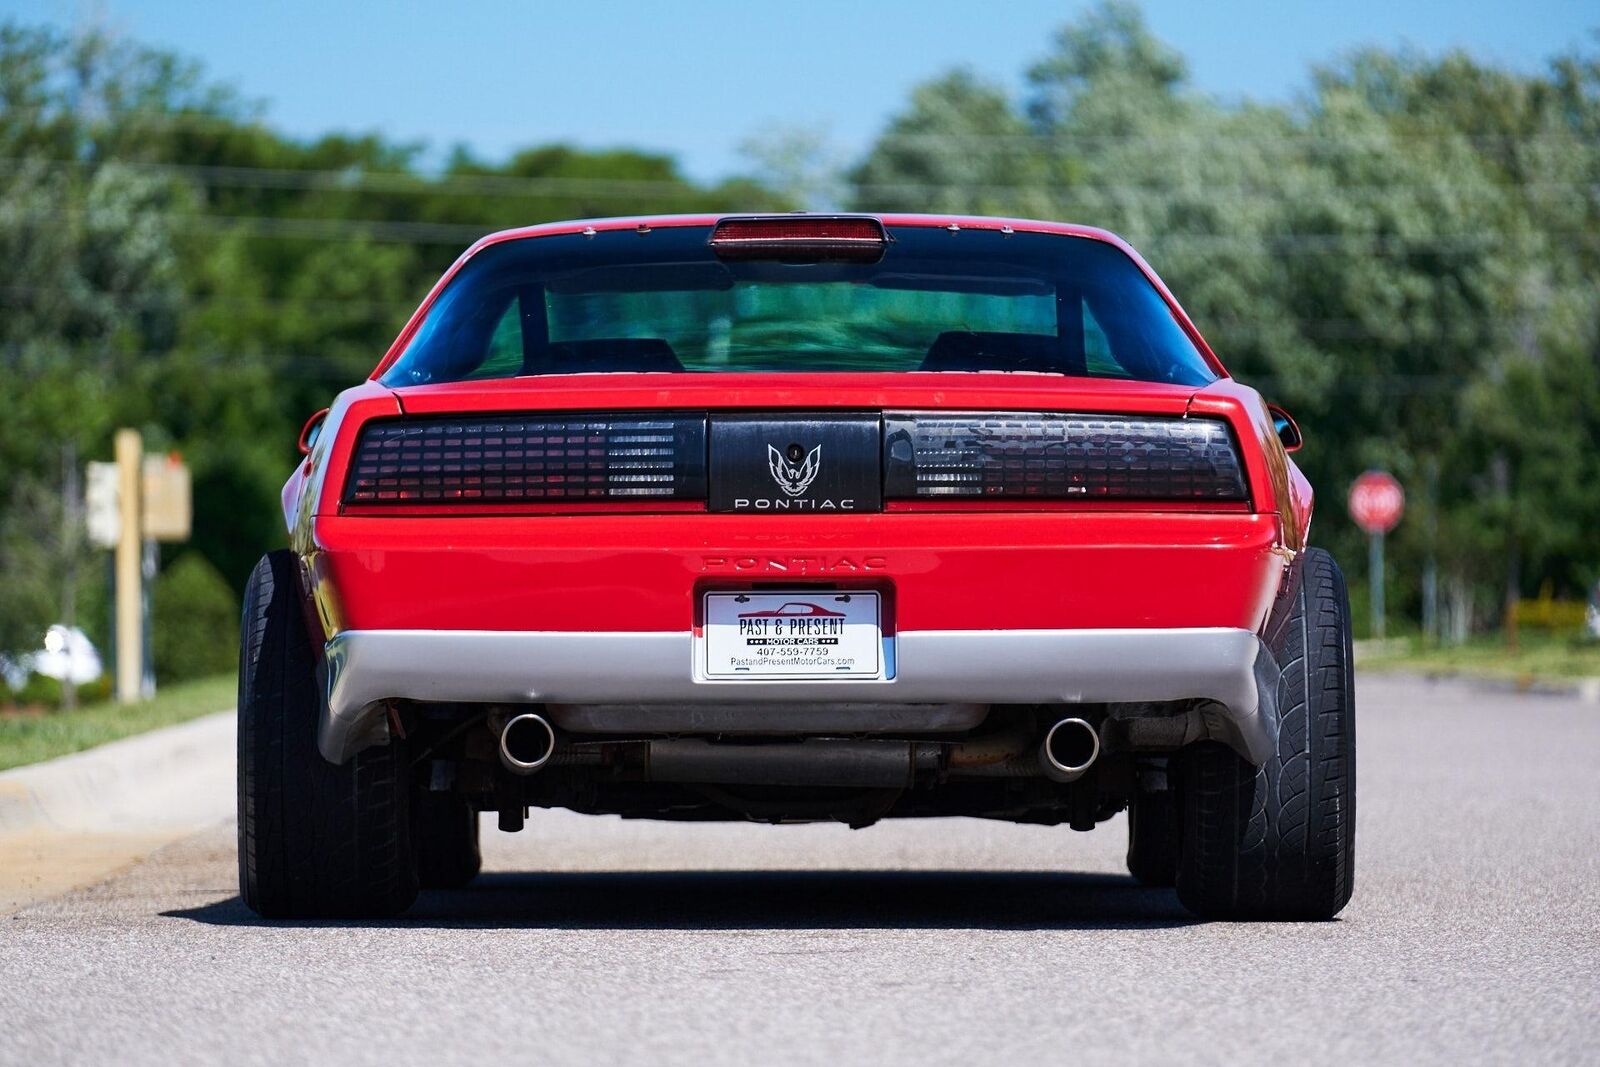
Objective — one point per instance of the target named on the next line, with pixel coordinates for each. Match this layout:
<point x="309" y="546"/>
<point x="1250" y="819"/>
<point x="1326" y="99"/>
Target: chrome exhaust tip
<point x="1069" y="750"/>
<point x="527" y="743"/>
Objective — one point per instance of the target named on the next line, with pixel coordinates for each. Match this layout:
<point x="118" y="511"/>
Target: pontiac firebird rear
<point x="795" y="518"/>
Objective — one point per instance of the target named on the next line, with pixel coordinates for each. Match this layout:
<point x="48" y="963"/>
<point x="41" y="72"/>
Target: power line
<point x="1269" y="244"/>
<point x="500" y="186"/>
<point x="1206" y="137"/>
<point x="298" y="361"/>
<point x="357" y="180"/>
<point x="1404" y="127"/>
<point x="397" y="312"/>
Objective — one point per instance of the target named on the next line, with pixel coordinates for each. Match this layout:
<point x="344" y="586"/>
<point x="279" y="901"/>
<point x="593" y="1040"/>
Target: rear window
<point x="624" y="301"/>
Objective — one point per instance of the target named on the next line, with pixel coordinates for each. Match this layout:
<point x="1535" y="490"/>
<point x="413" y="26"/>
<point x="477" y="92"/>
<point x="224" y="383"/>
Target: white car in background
<point x="67" y="656"/>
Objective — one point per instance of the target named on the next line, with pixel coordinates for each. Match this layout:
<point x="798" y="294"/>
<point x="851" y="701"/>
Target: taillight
<point x="990" y="456"/>
<point x="528" y="460"/>
<point x="801" y="238"/>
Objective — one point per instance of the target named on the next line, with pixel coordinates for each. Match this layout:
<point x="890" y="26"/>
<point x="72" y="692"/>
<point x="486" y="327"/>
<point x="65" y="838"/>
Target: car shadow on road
<point x="771" y="900"/>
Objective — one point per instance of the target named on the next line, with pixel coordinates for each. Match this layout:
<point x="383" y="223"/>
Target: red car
<point x="548" y="556"/>
<point x="793" y="609"/>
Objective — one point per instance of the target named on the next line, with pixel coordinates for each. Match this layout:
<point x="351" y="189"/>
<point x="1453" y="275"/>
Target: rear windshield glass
<point x="623" y="301"/>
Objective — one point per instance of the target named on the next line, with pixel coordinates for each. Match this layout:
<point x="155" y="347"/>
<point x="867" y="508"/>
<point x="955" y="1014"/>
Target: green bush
<point x="42" y="692"/>
<point x="37" y="692"/>
<point x="195" y="621"/>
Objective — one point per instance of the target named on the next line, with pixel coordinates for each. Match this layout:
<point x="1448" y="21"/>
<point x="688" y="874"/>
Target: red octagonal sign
<point x="1377" y="502"/>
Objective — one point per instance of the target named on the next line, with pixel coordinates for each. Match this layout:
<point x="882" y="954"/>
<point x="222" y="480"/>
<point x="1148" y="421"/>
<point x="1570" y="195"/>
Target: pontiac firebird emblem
<point x="791" y="479"/>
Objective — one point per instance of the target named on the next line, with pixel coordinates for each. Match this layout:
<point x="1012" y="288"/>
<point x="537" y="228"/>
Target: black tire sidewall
<point x="315" y="839"/>
<point x="1277" y="841"/>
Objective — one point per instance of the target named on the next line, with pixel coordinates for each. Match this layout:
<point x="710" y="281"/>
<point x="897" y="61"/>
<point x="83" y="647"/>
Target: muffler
<point x="833" y="762"/>
<point x="1069" y="750"/>
<point x="526" y="743"/>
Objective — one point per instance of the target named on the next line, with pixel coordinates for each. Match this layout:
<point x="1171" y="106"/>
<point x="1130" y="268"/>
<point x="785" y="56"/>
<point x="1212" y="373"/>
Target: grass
<point x="1539" y="657"/>
<point x="29" y="737"/>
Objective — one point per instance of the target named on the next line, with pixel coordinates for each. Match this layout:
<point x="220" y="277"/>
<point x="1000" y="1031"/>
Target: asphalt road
<point x="1472" y="936"/>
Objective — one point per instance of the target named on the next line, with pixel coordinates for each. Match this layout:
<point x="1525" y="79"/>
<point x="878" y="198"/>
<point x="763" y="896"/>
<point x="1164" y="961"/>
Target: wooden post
<point x="130" y="608"/>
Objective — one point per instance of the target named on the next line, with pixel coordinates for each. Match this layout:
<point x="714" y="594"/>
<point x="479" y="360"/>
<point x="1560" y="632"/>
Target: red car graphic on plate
<point x="794" y="609"/>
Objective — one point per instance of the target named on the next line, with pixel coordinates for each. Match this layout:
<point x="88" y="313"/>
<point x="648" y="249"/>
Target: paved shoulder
<point x="72" y="821"/>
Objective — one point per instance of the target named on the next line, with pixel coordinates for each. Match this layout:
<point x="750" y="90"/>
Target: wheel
<point x="1278" y="841"/>
<point x="444" y="831"/>
<point x="1153" y="839"/>
<point x="315" y="840"/>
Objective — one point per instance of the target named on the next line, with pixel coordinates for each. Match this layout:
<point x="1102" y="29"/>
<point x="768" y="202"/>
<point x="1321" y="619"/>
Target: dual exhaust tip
<point x="1067" y="752"/>
<point x="1069" y="749"/>
<point x="526" y="743"/>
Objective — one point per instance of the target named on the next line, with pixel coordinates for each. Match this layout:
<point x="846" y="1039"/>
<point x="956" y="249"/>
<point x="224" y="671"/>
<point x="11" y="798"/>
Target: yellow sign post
<point x="135" y="500"/>
<point x="129" y="454"/>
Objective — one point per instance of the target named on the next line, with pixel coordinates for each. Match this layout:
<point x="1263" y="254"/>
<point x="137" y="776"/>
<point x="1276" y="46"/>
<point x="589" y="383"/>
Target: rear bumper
<point x="947" y="571"/>
<point x="1229" y="667"/>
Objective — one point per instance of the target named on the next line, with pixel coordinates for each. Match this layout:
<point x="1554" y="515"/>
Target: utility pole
<point x="71" y="523"/>
<point x="128" y="506"/>
<point x="129" y="456"/>
<point x="1430" y="566"/>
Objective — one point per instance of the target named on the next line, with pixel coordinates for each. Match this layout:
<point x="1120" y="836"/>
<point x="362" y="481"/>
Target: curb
<point x="176" y="778"/>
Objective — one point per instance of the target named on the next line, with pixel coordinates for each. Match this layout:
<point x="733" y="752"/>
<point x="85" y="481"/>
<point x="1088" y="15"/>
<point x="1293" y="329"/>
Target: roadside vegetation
<point x="1541" y="657"/>
<point x="30" y="734"/>
<point x="1404" y="257"/>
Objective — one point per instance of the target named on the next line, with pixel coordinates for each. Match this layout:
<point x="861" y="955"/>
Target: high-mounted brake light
<point x="801" y="238"/>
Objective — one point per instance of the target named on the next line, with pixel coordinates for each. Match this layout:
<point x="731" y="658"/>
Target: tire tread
<point x="1277" y="841"/>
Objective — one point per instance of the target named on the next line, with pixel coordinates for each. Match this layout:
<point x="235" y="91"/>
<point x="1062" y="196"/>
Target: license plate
<point x="801" y="635"/>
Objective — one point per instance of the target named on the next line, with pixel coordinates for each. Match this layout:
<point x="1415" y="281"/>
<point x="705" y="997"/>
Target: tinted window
<point x="661" y="301"/>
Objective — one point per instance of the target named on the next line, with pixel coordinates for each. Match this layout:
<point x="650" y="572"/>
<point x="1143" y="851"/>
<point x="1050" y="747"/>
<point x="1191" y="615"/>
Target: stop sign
<point x="1377" y="502"/>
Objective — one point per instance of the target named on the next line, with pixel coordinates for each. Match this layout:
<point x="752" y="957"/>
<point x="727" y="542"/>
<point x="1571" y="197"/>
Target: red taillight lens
<point x="528" y="460"/>
<point x="801" y="238"/>
<point x="1066" y="457"/>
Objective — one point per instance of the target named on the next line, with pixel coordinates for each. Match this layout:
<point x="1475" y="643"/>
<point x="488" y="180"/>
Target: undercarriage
<point x="1051" y="764"/>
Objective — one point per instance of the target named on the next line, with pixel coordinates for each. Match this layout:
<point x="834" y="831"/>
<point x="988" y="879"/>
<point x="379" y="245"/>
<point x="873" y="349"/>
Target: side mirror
<point x="311" y="431"/>
<point x="1288" y="430"/>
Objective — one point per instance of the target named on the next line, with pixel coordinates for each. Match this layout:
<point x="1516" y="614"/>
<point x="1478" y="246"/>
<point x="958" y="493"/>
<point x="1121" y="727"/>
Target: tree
<point x="169" y="262"/>
<point x="958" y="147"/>
<point x="1405" y="257"/>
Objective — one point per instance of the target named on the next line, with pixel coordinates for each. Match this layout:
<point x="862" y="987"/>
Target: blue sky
<point x="698" y="77"/>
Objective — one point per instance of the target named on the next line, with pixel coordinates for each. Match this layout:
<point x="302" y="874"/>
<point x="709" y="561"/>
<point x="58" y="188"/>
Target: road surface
<point x="1472" y="936"/>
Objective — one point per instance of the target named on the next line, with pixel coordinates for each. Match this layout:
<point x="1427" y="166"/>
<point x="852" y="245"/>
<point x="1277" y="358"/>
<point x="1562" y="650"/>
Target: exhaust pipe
<point x="1069" y="750"/>
<point x="526" y="744"/>
<point x="863" y="764"/>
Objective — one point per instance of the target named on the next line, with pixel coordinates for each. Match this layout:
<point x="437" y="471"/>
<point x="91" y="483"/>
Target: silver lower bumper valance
<point x="1228" y="667"/>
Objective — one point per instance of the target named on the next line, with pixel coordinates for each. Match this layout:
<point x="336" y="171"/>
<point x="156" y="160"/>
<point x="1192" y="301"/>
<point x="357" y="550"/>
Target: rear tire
<point x="315" y="840"/>
<point x="444" y="830"/>
<point x="1153" y="839"/>
<point x="1278" y="841"/>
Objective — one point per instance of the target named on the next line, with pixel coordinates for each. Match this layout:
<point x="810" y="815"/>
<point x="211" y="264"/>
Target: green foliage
<point x="196" y="621"/>
<point x="168" y="262"/>
<point x="1539" y="656"/>
<point x="1405" y="258"/>
<point x="39" y="692"/>
<point x="958" y="147"/>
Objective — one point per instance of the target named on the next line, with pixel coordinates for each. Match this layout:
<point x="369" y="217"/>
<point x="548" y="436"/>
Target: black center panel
<point x="796" y="463"/>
